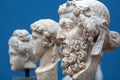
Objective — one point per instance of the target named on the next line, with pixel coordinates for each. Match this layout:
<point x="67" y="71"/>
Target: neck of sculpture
<point x="30" y="65"/>
<point x="46" y="59"/>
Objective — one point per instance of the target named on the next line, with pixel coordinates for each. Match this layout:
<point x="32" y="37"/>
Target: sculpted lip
<point x="63" y="44"/>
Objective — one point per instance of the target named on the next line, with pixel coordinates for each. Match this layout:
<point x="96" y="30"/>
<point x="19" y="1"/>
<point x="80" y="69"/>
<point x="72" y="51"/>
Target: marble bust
<point x="20" y="51"/>
<point x="44" y="32"/>
<point x="84" y="35"/>
<point x="98" y="75"/>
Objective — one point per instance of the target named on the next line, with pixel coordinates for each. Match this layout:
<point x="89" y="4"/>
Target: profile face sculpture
<point x="44" y="34"/>
<point x="82" y="34"/>
<point x="68" y="29"/>
<point x="20" y="51"/>
<point x="39" y="50"/>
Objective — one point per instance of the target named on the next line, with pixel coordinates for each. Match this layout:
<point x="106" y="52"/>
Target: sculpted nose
<point x="60" y="37"/>
<point x="11" y="51"/>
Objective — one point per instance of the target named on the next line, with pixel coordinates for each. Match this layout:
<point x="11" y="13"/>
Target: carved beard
<point x="74" y="56"/>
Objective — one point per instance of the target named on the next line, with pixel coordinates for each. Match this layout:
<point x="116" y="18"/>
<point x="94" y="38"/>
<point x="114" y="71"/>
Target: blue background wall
<point x="19" y="14"/>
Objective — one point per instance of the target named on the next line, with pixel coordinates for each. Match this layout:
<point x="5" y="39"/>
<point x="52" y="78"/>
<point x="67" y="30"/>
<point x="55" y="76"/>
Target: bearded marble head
<point x="80" y="24"/>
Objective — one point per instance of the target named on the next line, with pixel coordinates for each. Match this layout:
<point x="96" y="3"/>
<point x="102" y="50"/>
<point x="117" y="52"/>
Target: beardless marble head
<point x="44" y="33"/>
<point x="20" y="51"/>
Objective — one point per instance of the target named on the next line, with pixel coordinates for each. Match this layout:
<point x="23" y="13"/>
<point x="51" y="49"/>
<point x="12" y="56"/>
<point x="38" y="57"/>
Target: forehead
<point x="36" y="34"/>
<point x="66" y="21"/>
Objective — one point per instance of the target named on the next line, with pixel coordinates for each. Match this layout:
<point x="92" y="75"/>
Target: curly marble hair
<point x="20" y="41"/>
<point x="86" y="7"/>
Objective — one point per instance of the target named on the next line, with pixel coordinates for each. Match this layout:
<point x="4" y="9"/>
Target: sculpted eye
<point x="69" y="27"/>
<point x="13" y="54"/>
<point x="34" y="38"/>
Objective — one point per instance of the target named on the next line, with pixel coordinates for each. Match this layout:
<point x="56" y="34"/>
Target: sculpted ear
<point x="51" y="42"/>
<point x="51" y="39"/>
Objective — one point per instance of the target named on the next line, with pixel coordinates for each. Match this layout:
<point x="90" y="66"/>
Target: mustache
<point x="74" y="44"/>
